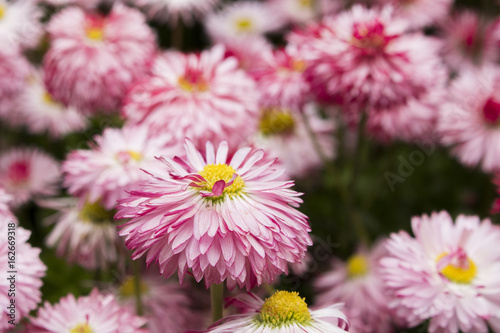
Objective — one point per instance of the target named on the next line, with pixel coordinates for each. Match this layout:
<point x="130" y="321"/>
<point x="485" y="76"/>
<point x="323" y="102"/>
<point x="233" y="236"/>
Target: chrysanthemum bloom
<point x="20" y="23"/>
<point x="28" y="172"/>
<point x="363" y="58"/>
<point x="42" y="114"/>
<point x="447" y="273"/>
<point x="420" y="13"/>
<point x="202" y="97"/>
<point x="93" y="60"/>
<point x="243" y="19"/>
<point x="84" y="233"/>
<point x="172" y="10"/>
<point x="27" y="280"/>
<point x="281" y="80"/>
<point x="284" y="135"/>
<point x="114" y="163"/>
<point x="165" y="304"/>
<point x="14" y="71"/>
<point x="470" y="122"/>
<point x="222" y="218"/>
<point x="358" y="284"/>
<point x="283" y="312"/>
<point x="94" y="313"/>
<point x="468" y="41"/>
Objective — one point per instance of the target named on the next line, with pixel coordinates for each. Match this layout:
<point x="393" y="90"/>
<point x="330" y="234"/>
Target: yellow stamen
<point x="306" y="3"/>
<point x="215" y="172"/>
<point x="127" y="289"/>
<point x="95" y="33"/>
<point x="189" y="86"/>
<point x="48" y="99"/>
<point x="284" y="308"/>
<point x="135" y="155"/>
<point x="357" y="266"/>
<point x="2" y="11"/>
<point x="463" y="274"/>
<point x="93" y="212"/>
<point x="276" y="121"/>
<point x="244" y="24"/>
<point x="82" y="328"/>
<point x="299" y="65"/>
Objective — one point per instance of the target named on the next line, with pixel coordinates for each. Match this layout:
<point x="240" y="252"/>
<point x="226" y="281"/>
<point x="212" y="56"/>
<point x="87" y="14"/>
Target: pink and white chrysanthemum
<point x="283" y="312"/>
<point x="420" y="13"/>
<point x="470" y="122"/>
<point x="173" y="10"/>
<point x="20" y="23"/>
<point x="222" y="218"/>
<point x="358" y="284"/>
<point x="27" y="280"/>
<point x="202" y="97"/>
<point x="93" y="60"/>
<point x="283" y="134"/>
<point x="363" y="58"/>
<point x="42" y="114"/>
<point x="281" y="80"/>
<point x="84" y="233"/>
<point x="94" y="313"/>
<point x="243" y="19"/>
<point x="114" y="163"/>
<point x="28" y="172"/>
<point x="468" y="41"/>
<point x="447" y="273"/>
<point x="165" y="304"/>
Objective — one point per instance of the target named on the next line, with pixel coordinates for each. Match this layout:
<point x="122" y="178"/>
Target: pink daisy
<point x="93" y="60"/>
<point x="42" y="114"/>
<point x="283" y="312"/>
<point x="447" y="273"/>
<point x="358" y="284"/>
<point x="363" y="58"/>
<point x="84" y="233"/>
<point x="94" y="313"/>
<point x="203" y="97"/>
<point x="27" y="270"/>
<point x="283" y="134"/>
<point x="114" y="163"/>
<point x="220" y="218"/>
<point x="173" y="10"/>
<point x="28" y="172"/>
<point x="20" y="23"/>
<point x="243" y="19"/>
<point x="469" y="122"/>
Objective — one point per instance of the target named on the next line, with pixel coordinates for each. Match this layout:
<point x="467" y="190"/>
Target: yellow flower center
<point x="284" y="308"/>
<point x="276" y="121"/>
<point x="357" y="266"/>
<point x="460" y="270"/>
<point x="2" y="11"/>
<point x="306" y="3"/>
<point x="244" y="24"/>
<point x="82" y="328"/>
<point x="199" y="85"/>
<point x="216" y="172"/>
<point x="299" y="65"/>
<point x="127" y="289"/>
<point x="48" y="99"/>
<point x="95" y="33"/>
<point x="95" y="213"/>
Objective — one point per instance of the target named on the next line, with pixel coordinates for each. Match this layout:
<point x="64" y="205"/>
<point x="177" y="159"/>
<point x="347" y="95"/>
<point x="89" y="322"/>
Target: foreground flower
<point x="94" y="313"/>
<point x="363" y="58"/>
<point x="165" y="304"/>
<point x="27" y="172"/>
<point x="114" y="163"/>
<point x="283" y="312"/>
<point x="25" y="261"/>
<point x="447" y="273"/>
<point x="172" y="10"/>
<point x="202" y="97"/>
<point x="357" y="284"/>
<point x="20" y="23"/>
<point x="222" y="218"/>
<point x="93" y="60"/>
<point x="470" y="121"/>
<point x="84" y="233"/>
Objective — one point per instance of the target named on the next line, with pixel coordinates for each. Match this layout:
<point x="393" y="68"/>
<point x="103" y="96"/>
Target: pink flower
<point x="20" y="23"/>
<point x="93" y="60"/>
<point x="202" y="97"/>
<point x="221" y="218"/>
<point x="252" y="52"/>
<point x="283" y="312"/>
<point x="94" y="313"/>
<point x="14" y="71"/>
<point x="448" y="273"/>
<point x="172" y="10"/>
<point x="28" y="172"/>
<point x="27" y="279"/>
<point x="470" y="121"/>
<point x="363" y="58"/>
<point x="114" y="163"/>
<point x="358" y="284"/>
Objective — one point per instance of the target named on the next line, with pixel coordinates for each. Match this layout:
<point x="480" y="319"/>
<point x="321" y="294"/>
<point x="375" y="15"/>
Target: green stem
<point x="217" y="296"/>
<point x="137" y="288"/>
<point x="314" y="139"/>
